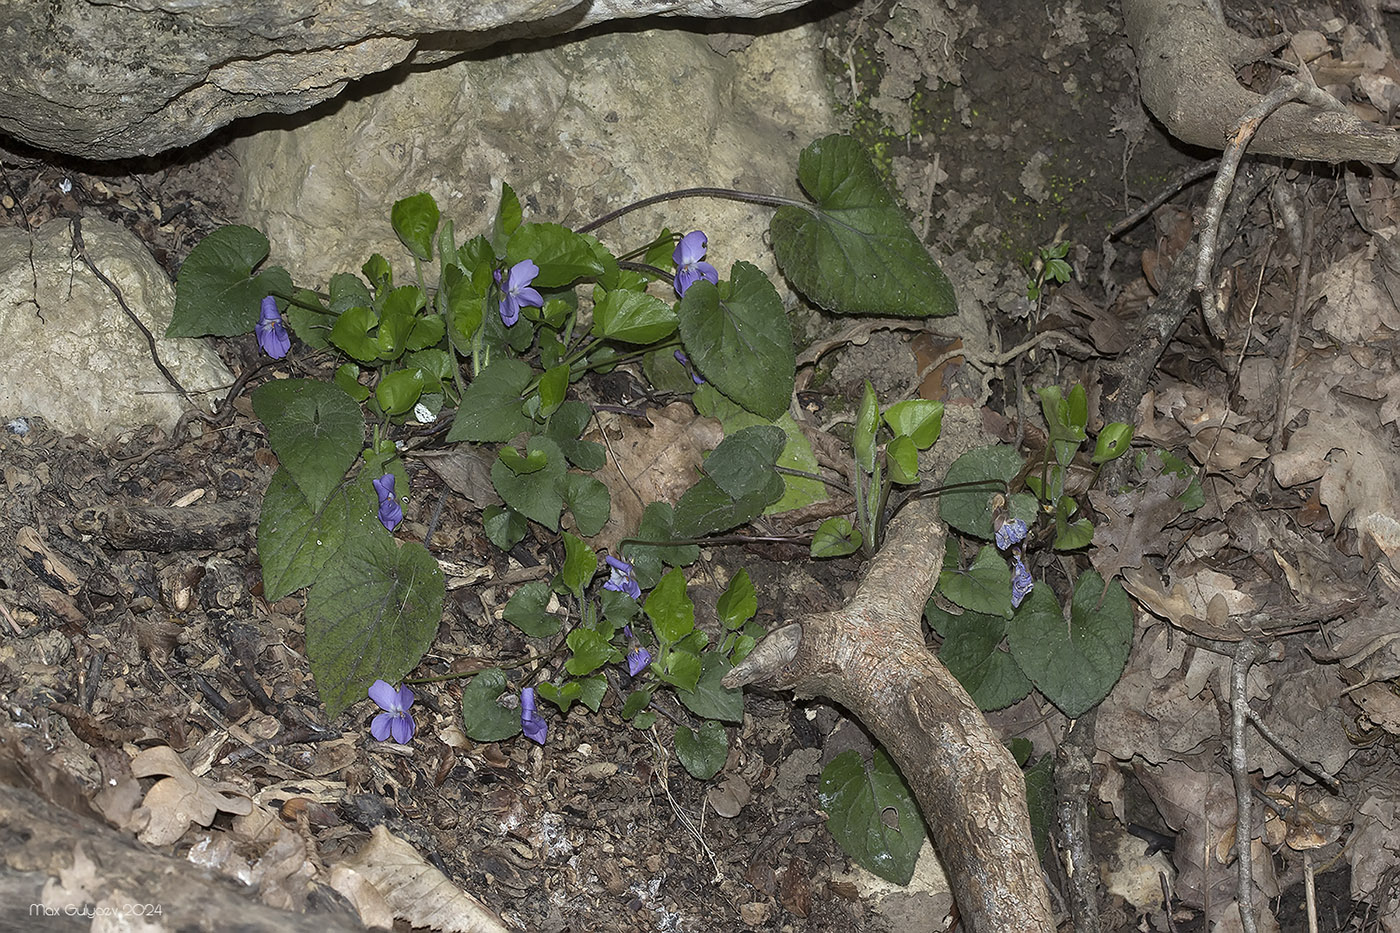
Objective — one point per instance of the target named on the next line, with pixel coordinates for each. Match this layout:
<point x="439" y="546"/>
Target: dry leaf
<point x="181" y="799"/>
<point x="418" y="892"/>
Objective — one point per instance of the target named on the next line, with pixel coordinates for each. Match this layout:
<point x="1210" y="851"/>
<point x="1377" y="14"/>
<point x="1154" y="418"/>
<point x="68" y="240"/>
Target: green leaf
<point x="379" y="273"/>
<point x="588" y="501"/>
<point x="705" y="753"/>
<point x="294" y="543"/>
<point x="562" y="697"/>
<point x="505" y="528"/>
<point x="867" y="421"/>
<point x="738" y="336"/>
<point x="918" y="419"/>
<point x="798" y="491"/>
<point x="835" y="537"/>
<point x="1074" y="664"/>
<point x="743" y="462"/>
<point x="315" y="430"/>
<point x="464" y="299"/>
<point x="681" y="670"/>
<point x="397" y="314"/>
<point x="594" y="689"/>
<point x="853" y="250"/>
<point x="348" y="291"/>
<point x="658" y="524"/>
<point x="526" y="610"/>
<point x="857" y="800"/>
<point x="590" y="652"/>
<point x="710" y="700"/>
<point x="415" y="220"/>
<point x="706" y="509"/>
<point x="903" y="459"/>
<point x="983" y="587"/>
<point x="484" y="719"/>
<point x="523" y="466"/>
<point x="535" y="495"/>
<point x="307" y="318"/>
<point x="347" y="376"/>
<point x="351" y="333"/>
<point x="562" y="255"/>
<point x="633" y="317"/>
<point x="508" y="216"/>
<point x="372" y="616"/>
<point x="580" y="564"/>
<point x="669" y="607"/>
<point x="553" y="384"/>
<point x="1041" y="798"/>
<point x="216" y="293"/>
<point x="970" y="510"/>
<point x="738" y="603"/>
<point x="1113" y="442"/>
<point x="399" y="391"/>
<point x="491" y="405"/>
<point x="972" y="651"/>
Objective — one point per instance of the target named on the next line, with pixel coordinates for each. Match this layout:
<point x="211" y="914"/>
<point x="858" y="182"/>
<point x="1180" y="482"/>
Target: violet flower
<point x="271" y="333"/>
<point x="390" y="512"/>
<point x="685" y="361"/>
<point x="637" y="660"/>
<point x="690" y="267"/>
<point x="395" y="720"/>
<point x="1010" y="532"/>
<point x="623" y="579"/>
<point x="531" y="722"/>
<point x="1021" y="582"/>
<point x="516" y="290"/>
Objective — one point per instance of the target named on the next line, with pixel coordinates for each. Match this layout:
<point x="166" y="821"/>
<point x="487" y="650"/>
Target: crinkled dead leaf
<point x="650" y="463"/>
<point x="181" y="800"/>
<point x="1137" y="521"/>
<point x="418" y="892"/>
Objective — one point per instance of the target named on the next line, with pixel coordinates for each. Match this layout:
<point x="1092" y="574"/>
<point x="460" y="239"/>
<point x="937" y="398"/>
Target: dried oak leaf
<point x="181" y="799"/>
<point x="1137" y="521"/>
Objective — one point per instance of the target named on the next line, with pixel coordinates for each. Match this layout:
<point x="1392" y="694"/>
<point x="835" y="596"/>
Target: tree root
<point x="1186" y="70"/>
<point x="871" y="658"/>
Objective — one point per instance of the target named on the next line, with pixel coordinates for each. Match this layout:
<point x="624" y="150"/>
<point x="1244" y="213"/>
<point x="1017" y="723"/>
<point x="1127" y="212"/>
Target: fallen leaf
<point x="181" y="799"/>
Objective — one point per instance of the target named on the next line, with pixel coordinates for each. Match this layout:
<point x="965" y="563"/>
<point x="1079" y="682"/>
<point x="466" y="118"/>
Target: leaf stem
<point x="752" y="197"/>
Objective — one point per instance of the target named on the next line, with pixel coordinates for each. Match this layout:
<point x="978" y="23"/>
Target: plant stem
<point x="770" y="200"/>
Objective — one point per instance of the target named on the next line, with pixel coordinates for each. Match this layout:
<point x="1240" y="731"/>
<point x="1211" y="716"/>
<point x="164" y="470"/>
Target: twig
<point x="1283" y="749"/>
<point x="1287" y="89"/>
<point x="1300" y="234"/>
<point x="1073" y="781"/>
<point x="1186" y="179"/>
<point x="1246" y="653"/>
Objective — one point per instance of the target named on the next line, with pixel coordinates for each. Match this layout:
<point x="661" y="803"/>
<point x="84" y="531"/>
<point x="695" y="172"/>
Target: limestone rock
<point x="72" y="356"/>
<point x="109" y="80"/>
<point x="576" y="130"/>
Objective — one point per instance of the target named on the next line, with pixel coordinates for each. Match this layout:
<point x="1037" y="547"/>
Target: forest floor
<point x="117" y="642"/>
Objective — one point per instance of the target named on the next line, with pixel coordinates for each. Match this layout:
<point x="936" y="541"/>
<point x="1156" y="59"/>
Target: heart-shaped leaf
<point x="484" y="717"/>
<point x="852" y="250"/>
<point x="702" y="753"/>
<point x="857" y="800"/>
<point x="314" y="428"/>
<point x="216" y="292"/>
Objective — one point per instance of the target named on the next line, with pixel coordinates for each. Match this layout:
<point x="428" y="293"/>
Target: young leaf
<point x="415" y="220"/>
<point x="563" y="696"/>
<point x="508" y="216"/>
<point x="553" y="384"/>
<point x="536" y="495"/>
<point x="857" y="800"/>
<point x="590" y="652"/>
<point x="588" y="501"/>
<point x="702" y="754"/>
<point x="315" y="429"/>
<point x="1113" y="442"/>
<point x="918" y="419"/>
<point x="853" y="250"/>
<point x="669" y="607"/>
<point x="738" y="603"/>
<point x="867" y="421"/>
<point x="372" y="616"/>
<point x="216" y="293"/>
<point x="580" y="564"/>
<point x="484" y="718"/>
<point x="738" y="336"/>
<point x="504" y="527"/>
<point x="903" y="459"/>
<point x="835" y="537"/>
<point x="710" y="700"/>
<point x="1074" y="664"/>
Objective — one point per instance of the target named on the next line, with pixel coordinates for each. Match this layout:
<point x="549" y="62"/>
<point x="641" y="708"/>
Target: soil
<point x="115" y="639"/>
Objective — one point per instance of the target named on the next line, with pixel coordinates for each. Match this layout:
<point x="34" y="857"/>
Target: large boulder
<point x="577" y="130"/>
<point x="110" y="79"/>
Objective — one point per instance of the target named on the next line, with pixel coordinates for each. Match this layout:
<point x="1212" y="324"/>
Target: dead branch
<point x="871" y="658"/>
<point x="1186" y="68"/>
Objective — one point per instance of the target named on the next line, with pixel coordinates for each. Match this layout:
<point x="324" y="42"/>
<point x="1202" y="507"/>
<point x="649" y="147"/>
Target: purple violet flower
<point x="516" y="290"/>
<point x="623" y="579"/>
<point x="271" y="333"/>
<point x="685" y="361"/>
<point x="1009" y="533"/>
<point x="637" y="660"/>
<point x="390" y="512"/>
<point x="690" y="267"/>
<point x="1021" y="582"/>
<point x="395" y="720"/>
<point x="531" y="722"/>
